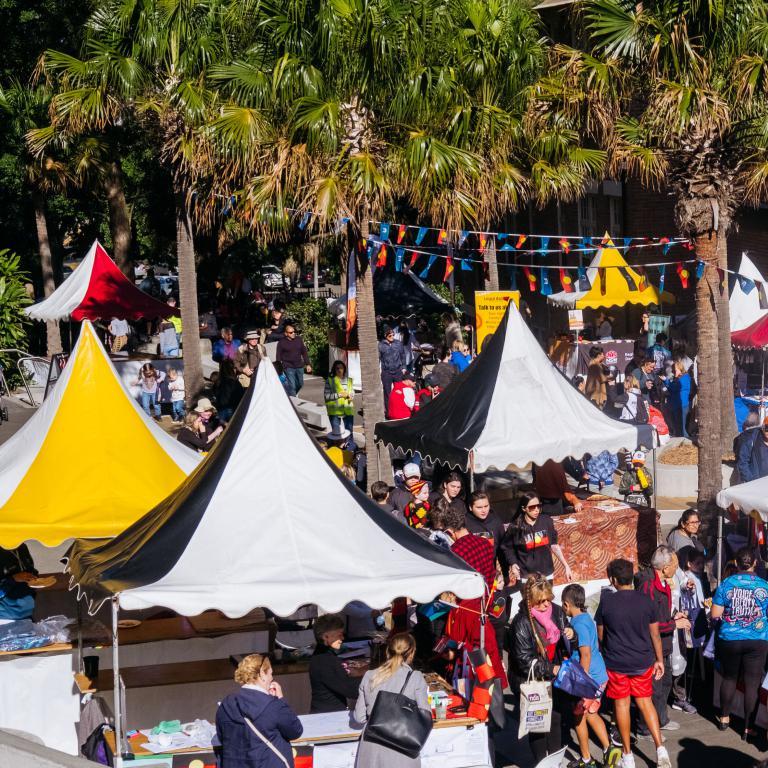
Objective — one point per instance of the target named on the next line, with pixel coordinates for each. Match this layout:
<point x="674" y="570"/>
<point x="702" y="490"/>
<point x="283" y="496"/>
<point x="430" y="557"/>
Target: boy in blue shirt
<point x="586" y="651"/>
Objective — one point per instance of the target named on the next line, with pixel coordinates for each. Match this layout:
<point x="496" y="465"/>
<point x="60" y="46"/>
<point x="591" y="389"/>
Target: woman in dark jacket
<point x="537" y="639"/>
<point x="331" y="686"/>
<point x="255" y="726"/>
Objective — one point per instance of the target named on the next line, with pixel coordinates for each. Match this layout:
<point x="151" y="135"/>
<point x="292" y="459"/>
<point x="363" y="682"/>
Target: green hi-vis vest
<point x="344" y="403"/>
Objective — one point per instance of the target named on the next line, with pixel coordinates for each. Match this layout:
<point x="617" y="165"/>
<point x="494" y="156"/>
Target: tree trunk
<point x="312" y="255"/>
<point x="46" y="264"/>
<point x="119" y="219"/>
<point x="728" y="429"/>
<point x="493" y="265"/>
<point x="379" y="464"/>
<point x="708" y="399"/>
<point x="190" y="321"/>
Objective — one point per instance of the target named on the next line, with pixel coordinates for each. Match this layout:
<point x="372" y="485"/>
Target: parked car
<point x="307" y="278"/>
<point x="272" y="277"/>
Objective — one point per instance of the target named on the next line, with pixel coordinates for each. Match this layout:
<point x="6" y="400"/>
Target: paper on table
<point x="569" y="520"/>
<point x="327" y="724"/>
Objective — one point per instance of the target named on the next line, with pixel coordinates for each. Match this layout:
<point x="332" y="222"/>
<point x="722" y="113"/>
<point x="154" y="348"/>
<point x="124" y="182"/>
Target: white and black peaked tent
<point x="266" y="521"/>
<point x="511" y="406"/>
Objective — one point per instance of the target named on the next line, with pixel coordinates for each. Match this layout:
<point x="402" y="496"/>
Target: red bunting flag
<point x="531" y="278"/>
<point x="721" y="276"/>
<point x="401" y="228"/>
<point x="643" y="285"/>
<point x="520" y="240"/>
<point x="682" y="272"/>
<point x="483" y="241"/>
<point x="448" y="268"/>
<point x="566" y="280"/>
<point x="601" y="276"/>
<point x="565" y="245"/>
<point x="442" y="237"/>
<point x="414" y="259"/>
<point x="381" y="261"/>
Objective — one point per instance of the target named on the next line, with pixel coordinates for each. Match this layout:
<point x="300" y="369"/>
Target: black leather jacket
<point x="524" y="651"/>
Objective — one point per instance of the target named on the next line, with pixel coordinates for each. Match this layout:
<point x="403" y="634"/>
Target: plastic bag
<point x="25" y="634"/>
<point x="535" y="706"/>
<point x="573" y="679"/>
<point x="678" y="662"/>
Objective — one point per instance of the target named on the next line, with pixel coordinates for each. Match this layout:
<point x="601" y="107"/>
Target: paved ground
<point x="698" y="744"/>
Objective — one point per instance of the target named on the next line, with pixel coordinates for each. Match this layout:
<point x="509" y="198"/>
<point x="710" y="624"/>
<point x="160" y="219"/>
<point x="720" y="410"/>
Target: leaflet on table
<point x="198" y="734"/>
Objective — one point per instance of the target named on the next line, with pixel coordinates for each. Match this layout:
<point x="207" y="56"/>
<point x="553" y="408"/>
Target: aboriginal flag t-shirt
<point x="744" y="598"/>
<point x="530" y="546"/>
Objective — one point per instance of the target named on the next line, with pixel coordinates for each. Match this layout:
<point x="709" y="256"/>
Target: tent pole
<point x="471" y="472"/>
<point x="116" y="684"/>
<point x="653" y="453"/>
<point x="719" y="547"/>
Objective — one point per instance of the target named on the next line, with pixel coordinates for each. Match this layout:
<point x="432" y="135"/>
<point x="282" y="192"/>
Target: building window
<point x="616" y="214"/>
<point x="587" y="216"/>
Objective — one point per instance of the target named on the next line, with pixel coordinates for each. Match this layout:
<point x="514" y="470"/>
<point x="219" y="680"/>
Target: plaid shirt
<point x="479" y="553"/>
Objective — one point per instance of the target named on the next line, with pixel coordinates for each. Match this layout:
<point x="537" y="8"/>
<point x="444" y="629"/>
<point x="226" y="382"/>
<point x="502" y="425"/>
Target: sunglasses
<point x="533" y="506"/>
<point x="693" y="522"/>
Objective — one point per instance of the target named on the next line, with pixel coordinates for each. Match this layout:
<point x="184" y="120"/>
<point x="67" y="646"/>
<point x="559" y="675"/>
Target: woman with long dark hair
<point x="452" y="490"/>
<point x="741" y="648"/>
<point x="530" y="542"/>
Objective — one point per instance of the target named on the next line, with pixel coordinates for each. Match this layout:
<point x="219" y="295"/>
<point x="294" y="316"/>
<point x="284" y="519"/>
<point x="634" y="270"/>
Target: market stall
<point x="95" y="290"/>
<point x="91" y="427"/>
<point x="612" y="283"/>
<point x="255" y="526"/>
<point x="509" y="408"/>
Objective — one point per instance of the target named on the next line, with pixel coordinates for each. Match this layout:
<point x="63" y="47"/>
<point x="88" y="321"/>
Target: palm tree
<point x="25" y="109"/>
<point x="347" y="109"/>
<point x="146" y="60"/>
<point x="676" y="91"/>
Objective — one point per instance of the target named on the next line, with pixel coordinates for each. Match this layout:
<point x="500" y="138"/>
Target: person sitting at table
<point x="331" y="685"/>
<point x="552" y="488"/>
<point x="255" y="725"/>
<point x="391" y="676"/>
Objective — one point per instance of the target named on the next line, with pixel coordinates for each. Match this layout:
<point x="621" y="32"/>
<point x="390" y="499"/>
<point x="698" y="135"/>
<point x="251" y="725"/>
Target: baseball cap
<point x="411" y="470"/>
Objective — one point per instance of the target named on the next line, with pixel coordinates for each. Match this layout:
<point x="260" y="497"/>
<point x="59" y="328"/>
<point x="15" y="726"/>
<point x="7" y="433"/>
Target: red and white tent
<point x="96" y="290"/>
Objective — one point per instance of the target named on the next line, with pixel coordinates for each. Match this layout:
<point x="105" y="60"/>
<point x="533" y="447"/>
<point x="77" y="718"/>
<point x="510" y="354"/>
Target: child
<point x="417" y="509"/>
<point x="636" y="478"/>
<point x="148" y="380"/>
<point x="587" y="652"/>
<point x="176" y="387"/>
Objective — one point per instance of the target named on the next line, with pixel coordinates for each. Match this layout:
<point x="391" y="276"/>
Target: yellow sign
<point x="490" y="307"/>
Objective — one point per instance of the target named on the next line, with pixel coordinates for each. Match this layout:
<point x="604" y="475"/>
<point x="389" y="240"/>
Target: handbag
<point x="397" y="722"/>
<point x="268" y="743"/>
<point x="535" y="706"/>
<point x="574" y="680"/>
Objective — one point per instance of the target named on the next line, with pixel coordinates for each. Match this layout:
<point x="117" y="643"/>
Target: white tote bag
<point x="535" y="706"/>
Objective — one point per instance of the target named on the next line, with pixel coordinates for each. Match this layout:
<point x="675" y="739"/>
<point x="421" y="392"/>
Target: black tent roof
<point x="404" y="294"/>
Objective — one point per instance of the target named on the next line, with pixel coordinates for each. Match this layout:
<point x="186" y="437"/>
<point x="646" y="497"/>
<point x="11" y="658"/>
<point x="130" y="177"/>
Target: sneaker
<point x="670" y="725"/>
<point x="627" y="761"/>
<point x="611" y="757"/>
<point x="613" y="732"/>
<point x="684" y="706"/>
<point x="662" y="758"/>
<point x="582" y="763"/>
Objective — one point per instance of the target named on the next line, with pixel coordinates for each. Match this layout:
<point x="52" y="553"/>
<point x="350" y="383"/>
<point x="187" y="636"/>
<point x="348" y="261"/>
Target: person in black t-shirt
<point x="531" y="541"/>
<point x="628" y="629"/>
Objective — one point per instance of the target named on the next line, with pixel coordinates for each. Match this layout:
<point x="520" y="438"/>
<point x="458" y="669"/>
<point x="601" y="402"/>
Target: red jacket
<point x="402" y="401"/>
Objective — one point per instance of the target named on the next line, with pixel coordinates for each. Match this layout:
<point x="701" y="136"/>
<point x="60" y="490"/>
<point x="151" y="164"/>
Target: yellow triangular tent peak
<point x="607" y="241"/>
<point x="87" y="464"/>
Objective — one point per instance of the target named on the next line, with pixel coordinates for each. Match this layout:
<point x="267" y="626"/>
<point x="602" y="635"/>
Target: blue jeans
<point x="295" y="378"/>
<point x="149" y="400"/>
<point x="336" y="421"/>
<point x="177" y="409"/>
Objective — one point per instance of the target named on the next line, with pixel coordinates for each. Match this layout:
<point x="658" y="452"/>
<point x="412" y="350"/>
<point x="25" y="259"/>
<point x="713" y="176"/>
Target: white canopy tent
<point x="747" y="497"/>
<point x="744" y="307"/>
<point x="266" y="521"/>
<point x="509" y="408"/>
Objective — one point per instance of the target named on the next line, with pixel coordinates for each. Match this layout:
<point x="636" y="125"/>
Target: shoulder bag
<point x="397" y="722"/>
<point x="268" y="743"/>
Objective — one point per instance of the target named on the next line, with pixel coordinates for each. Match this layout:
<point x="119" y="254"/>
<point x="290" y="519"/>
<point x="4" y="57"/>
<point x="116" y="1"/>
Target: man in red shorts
<point x="628" y="630"/>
